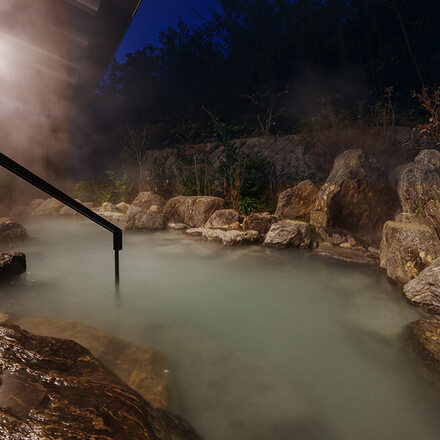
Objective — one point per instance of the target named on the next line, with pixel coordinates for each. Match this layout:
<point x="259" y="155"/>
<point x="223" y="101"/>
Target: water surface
<point x="261" y="344"/>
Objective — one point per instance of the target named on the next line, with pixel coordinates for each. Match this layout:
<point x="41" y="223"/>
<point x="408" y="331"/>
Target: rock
<point x="108" y="207"/>
<point x="194" y="211"/>
<point x="406" y="249"/>
<point x="11" y="231"/>
<point x="177" y="226"/>
<point x="54" y="388"/>
<point x="289" y="233"/>
<point x="35" y="204"/>
<point x="145" y="200"/>
<point x="117" y="218"/>
<point x="419" y="184"/>
<point x="348" y="255"/>
<point x="345" y="245"/>
<point x="230" y="237"/>
<point x="140" y="220"/>
<point x="297" y="202"/>
<point x="4" y="212"/>
<point x="428" y="159"/>
<point x="355" y="197"/>
<point x="407" y="217"/>
<point x="337" y="237"/>
<point x="195" y="232"/>
<point x="11" y="265"/>
<point x="141" y="368"/>
<point x="260" y="222"/>
<point x="68" y="212"/>
<point x="49" y="207"/>
<point x="425" y="335"/>
<point x="432" y="215"/>
<point x="145" y="213"/>
<point x="373" y="253"/>
<point x="223" y="218"/>
<point x="123" y="207"/>
<point x="424" y="290"/>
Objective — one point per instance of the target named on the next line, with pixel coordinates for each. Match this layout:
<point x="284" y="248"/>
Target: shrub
<point x="430" y="102"/>
<point x="247" y="205"/>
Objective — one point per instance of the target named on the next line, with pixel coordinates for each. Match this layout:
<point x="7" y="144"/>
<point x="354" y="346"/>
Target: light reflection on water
<point x="261" y="344"/>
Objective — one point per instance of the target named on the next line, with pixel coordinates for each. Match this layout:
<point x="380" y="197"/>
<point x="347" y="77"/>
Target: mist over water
<point x="261" y="344"/>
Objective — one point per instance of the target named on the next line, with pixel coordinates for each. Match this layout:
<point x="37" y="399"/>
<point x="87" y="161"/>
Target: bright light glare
<point x="6" y="59"/>
<point x="5" y="5"/>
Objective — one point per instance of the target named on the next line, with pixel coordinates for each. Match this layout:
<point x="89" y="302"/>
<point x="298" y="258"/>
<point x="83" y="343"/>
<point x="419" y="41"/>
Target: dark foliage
<point x="263" y="63"/>
<point x="267" y="66"/>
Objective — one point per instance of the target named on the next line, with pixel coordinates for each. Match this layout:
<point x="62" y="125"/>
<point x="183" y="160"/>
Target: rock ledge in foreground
<point x="54" y="388"/>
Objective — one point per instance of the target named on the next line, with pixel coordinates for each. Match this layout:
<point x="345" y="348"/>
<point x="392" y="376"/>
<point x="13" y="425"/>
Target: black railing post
<point x="49" y="189"/>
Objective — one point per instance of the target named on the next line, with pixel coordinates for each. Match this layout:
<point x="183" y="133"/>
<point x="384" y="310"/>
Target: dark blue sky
<point x="156" y="15"/>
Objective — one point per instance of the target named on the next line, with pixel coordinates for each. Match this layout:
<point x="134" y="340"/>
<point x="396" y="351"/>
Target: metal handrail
<point x="49" y="189"/>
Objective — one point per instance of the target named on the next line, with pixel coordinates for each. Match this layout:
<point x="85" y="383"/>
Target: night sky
<point x="154" y="16"/>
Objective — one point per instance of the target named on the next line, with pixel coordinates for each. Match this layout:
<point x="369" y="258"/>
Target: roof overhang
<point x="59" y="45"/>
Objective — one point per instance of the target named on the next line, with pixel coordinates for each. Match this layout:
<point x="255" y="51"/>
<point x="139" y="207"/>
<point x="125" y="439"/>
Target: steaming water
<point x="261" y="344"/>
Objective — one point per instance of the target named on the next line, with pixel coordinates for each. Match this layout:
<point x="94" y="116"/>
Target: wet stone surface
<point x="141" y="367"/>
<point x="425" y="336"/>
<point x="54" y="388"/>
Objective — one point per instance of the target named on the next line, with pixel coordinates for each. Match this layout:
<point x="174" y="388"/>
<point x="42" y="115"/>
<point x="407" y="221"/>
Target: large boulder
<point x="356" y="196"/>
<point x="260" y="222"/>
<point x="109" y="207"/>
<point x="223" y="218"/>
<point x="432" y="215"/>
<point x="424" y="290"/>
<point x="11" y="264"/>
<point x="11" y="231"/>
<point x="117" y="218"/>
<point x="49" y="207"/>
<point x="419" y="187"/>
<point x="141" y="367"/>
<point x="55" y="388"/>
<point x="34" y="205"/>
<point x="193" y="211"/>
<point x="229" y="237"/>
<point x="425" y="335"/>
<point x="123" y="207"/>
<point x="66" y="211"/>
<point x="289" y="233"/>
<point x="429" y="159"/>
<point x="297" y="202"/>
<point x="407" y="249"/>
<point x="145" y="213"/>
<point x="145" y="200"/>
<point x="140" y="220"/>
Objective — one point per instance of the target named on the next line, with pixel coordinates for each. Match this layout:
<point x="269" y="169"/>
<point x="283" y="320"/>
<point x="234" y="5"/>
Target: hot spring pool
<point x="262" y="344"/>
